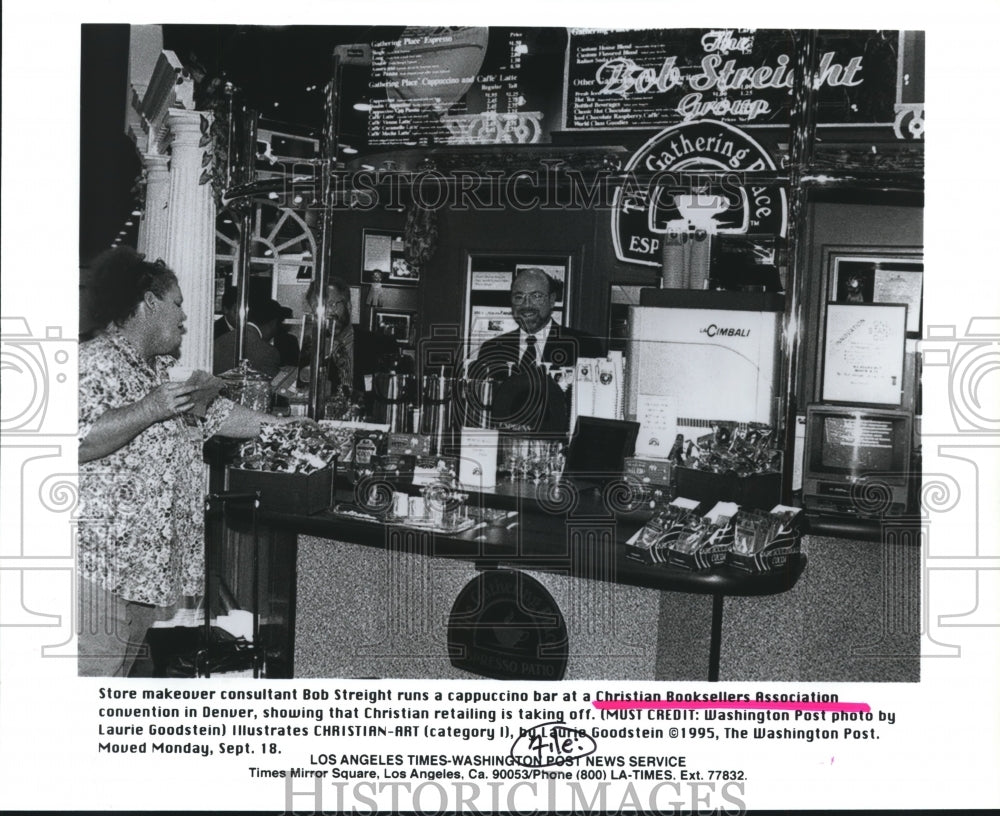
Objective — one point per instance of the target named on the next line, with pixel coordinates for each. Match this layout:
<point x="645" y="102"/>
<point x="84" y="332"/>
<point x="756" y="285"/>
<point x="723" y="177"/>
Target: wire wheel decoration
<point x="280" y="238"/>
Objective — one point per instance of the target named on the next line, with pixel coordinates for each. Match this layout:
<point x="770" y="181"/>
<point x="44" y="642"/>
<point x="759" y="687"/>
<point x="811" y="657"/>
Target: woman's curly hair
<point x="119" y="280"/>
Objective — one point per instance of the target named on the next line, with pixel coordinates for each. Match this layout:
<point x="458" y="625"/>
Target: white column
<point x="190" y="240"/>
<point x="153" y="227"/>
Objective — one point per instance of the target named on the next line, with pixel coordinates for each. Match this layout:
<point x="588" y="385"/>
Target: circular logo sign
<point x="504" y="624"/>
<point x="674" y="179"/>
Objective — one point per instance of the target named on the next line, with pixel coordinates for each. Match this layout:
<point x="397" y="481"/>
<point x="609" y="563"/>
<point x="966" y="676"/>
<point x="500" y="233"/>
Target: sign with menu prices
<point x="464" y="85"/>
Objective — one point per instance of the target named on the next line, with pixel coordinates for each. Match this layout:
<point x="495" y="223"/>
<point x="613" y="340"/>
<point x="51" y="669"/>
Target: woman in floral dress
<point x="140" y="539"/>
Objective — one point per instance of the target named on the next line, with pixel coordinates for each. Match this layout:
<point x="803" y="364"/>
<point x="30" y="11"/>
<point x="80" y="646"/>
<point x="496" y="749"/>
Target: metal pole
<point x="328" y="152"/>
<point x="245" y="209"/>
<point x="803" y="131"/>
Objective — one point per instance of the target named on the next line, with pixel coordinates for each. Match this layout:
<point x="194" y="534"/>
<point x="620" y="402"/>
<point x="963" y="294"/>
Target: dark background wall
<point x="583" y="235"/>
<point x="874" y="221"/>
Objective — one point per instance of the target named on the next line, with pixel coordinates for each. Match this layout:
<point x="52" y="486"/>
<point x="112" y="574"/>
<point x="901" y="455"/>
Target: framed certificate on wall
<point x="864" y="353"/>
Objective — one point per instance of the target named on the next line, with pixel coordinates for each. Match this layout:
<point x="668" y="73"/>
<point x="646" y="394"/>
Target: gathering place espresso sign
<point x="644" y="212"/>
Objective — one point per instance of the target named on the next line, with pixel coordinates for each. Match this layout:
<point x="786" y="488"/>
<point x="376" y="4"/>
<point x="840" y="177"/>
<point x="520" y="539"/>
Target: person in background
<point x="141" y="517"/>
<point x="227" y="322"/>
<point x="528" y="400"/>
<point x="287" y="345"/>
<point x="355" y="353"/>
<point x="265" y="319"/>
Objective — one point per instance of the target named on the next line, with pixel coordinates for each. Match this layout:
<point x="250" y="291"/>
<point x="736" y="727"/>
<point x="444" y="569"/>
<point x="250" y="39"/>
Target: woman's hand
<point x="292" y="420"/>
<point x="168" y="399"/>
<point x="119" y="426"/>
<point x="305" y="421"/>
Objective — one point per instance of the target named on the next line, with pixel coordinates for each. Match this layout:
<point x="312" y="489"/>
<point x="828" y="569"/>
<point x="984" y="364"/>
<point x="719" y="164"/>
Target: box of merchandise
<point x="649" y="545"/>
<point x="282" y="492"/>
<point x="649" y="471"/>
<point x="705" y="541"/>
<point x="756" y="490"/>
<point x="764" y="541"/>
<point x="292" y="466"/>
<point x="735" y="462"/>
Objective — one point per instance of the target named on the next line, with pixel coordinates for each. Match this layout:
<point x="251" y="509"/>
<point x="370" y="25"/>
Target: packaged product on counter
<point x="397" y="469"/>
<point x="431" y="469"/>
<point x="288" y="449"/>
<point x="650" y="544"/>
<point x="705" y="541"/>
<point x="291" y="466"/>
<point x="735" y="462"/>
<point x="348" y="435"/>
<point x="368" y="446"/>
<point x="409" y="444"/>
<point x="764" y="540"/>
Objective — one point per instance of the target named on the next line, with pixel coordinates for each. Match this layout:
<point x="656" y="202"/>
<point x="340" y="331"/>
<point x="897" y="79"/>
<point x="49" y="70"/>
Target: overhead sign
<point x="457" y="85"/>
<point x="653" y="78"/>
<point x="663" y="188"/>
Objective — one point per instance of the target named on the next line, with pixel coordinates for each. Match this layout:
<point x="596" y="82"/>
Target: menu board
<point x="464" y="85"/>
<point x="659" y="77"/>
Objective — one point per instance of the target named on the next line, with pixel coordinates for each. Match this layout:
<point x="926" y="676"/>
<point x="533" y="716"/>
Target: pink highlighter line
<point x="621" y="705"/>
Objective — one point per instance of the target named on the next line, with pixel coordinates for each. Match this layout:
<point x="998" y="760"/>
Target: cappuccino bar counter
<point x="343" y="597"/>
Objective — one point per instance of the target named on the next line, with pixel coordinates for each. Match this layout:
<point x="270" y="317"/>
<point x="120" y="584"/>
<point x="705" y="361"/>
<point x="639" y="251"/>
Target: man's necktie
<point x="530" y="358"/>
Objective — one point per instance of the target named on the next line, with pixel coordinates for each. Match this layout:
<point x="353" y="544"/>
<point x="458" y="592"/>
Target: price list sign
<point x="455" y="85"/>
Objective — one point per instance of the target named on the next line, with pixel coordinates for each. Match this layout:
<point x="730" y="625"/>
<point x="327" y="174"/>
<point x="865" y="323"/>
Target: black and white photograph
<point x="394" y="324"/>
<point x="879" y="276"/>
<point x="518" y="417"/>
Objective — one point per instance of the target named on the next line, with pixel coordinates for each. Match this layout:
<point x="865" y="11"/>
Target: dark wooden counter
<point x="579" y="532"/>
<point x="544" y="539"/>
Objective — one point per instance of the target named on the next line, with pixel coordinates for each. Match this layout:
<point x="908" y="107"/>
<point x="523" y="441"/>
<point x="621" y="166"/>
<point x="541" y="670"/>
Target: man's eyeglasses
<point x="519" y="298"/>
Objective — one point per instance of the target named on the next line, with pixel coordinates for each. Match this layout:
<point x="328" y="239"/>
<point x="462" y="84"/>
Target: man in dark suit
<point x="528" y="399"/>
<point x="264" y="319"/>
<point x="227" y="322"/>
